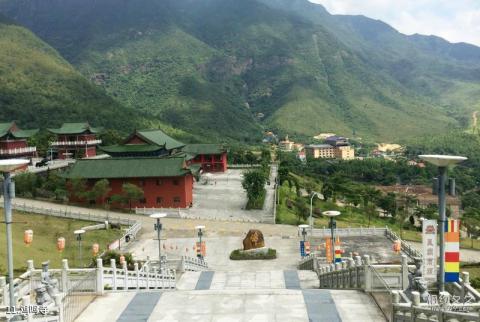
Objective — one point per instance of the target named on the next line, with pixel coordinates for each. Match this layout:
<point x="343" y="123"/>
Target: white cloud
<point x="454" y="20"/>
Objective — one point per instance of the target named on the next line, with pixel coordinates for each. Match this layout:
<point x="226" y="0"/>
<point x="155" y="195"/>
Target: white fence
<point x="87" y="283"/>
<point x="18" y="151"/>
<point x="345" y="232"/>
<point x="193" y="264"/>
<point x="75" y="143"/>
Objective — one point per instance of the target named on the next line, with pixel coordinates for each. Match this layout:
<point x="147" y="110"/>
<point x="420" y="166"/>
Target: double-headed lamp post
<point x="7" y="166"/>
<point x="158" y="228"/>
<point x="304" y="231"/>
<point x="79" y="234"/>
<point x="200" y="229"/>
<point x="442" y="162"/>
<point x="314" y="194"/>
<point x="332" y="214"/>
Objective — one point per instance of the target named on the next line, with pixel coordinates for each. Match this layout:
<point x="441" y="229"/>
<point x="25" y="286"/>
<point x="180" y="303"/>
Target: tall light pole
<point x="314" y="194"/>
<point x="7" y="166"/>
<point x="79" y="234"/>
<point x="442" y="162"/>
<point x="332" y="214"/>
<point x="200" y="230"/>
<point x="304" y="231"/>
<point x="158" y="228"/>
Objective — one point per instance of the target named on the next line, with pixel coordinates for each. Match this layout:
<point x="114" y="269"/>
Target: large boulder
<point x="253" y="240"/>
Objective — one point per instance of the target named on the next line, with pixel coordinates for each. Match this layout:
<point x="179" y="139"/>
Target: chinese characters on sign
<point x="27" y="309"/>
<point x="429" y="239"/>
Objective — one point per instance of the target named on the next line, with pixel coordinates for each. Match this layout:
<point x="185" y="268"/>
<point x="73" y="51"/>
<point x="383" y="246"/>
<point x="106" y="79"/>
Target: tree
<point x="131" y="193"/>
<point x="250" y="158"/>
<point x="99" y="191"/>
<point x="471" y="221"/>
<point x="254" y="184"/>
<point x="407" y="201"/>
<point x="78" y="188"/>
<point x="370" y="196"/>
<point x="301" y="209"/>
<point x="388" y="202"/>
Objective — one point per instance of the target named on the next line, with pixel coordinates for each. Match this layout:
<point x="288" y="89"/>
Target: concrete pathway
<point x="238" y="296"/>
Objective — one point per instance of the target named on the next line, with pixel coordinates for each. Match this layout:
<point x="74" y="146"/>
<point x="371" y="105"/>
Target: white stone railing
<point x="17" y="151"/>
<point x="308" y="263"/>
<point x="406" y="247"/>
<point x="88" y="281"/>
<point x="361" y="274"/>
<point x="345" y="232"/>
<point x="74" y="143"/>
<point x="193" y="264"/>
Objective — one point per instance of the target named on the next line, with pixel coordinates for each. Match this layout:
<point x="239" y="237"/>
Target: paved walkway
<point x="238" y="296"/>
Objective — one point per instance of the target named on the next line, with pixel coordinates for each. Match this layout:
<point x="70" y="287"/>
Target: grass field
<point x="46" y="231"/>
<point x="351" y="217"/>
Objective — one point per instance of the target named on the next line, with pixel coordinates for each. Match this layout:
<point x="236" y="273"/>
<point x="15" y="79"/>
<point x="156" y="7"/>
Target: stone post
<point x="99" y="287"/>
<point x="395" y="300"/>
<point x="444" y="297"/>
<point x="64" y="275"/>
<point x="3" y="291"/>
<point x="415" y="300"/>
<point x="59" y="303"/>
<point x="30" y="266"/>
<point x="125" y="275"/>
<point x="114" y="274"/>
<point x="351" y="268"/>
<point x="358" y="265"/>
<point x="26" y="302"/>
<point x="464" y="284"/>
<point x="368" y="276"/>
<point x="137" y="275"/>
<point x="404" y="271"/>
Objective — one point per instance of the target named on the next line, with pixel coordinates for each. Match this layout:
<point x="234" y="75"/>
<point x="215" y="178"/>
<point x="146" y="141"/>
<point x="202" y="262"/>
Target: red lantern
<point x="95" y="249"/>
<point x="122" y="259"/>
<point x="397" y="246"/>
<point x="60" y="244"/>
<point x="28" y="237"/>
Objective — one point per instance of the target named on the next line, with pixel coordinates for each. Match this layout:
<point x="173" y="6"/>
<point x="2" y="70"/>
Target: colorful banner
<point x="328" y="250"/>
<point x="452" y="250"/>
<point x="338" y="251"/>
<point x="429" y="241"/>
<point x="201" y="249"/>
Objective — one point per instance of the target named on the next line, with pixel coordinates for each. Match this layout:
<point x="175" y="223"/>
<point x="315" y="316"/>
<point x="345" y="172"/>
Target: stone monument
<point x="253" y="240"/>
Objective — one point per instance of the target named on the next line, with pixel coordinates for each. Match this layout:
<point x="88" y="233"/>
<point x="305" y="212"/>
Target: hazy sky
<point x="454" y="20"/>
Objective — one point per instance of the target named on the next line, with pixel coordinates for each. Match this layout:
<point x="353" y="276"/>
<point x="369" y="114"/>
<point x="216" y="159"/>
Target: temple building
<point x="210" y="157"/>
<point x="13" y="142"/>
<point x="165" y="182"/>
<point x="75" y="141"/>
<point x="148" y="143"/>
<point x="155" y="143"/>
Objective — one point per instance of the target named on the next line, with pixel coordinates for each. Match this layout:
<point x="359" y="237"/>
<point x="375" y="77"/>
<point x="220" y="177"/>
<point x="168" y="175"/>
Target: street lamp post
<point x="442" y="162"/>
<point x="304" y="231"/>
<point x="79" y="234"/>
<point x="158" y="228"/>
<point x="7" y="166"/>
<point x="200" y="230"/>
<point x="332" y="214"/>
<point x="314" y="194"/>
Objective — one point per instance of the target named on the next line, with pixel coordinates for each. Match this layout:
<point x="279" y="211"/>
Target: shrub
<point x="239" y="254"/>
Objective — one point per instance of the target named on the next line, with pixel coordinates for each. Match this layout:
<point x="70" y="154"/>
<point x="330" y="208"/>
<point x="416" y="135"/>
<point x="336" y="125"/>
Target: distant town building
<point x="75" y="141"/>
<point x="156" y="143"/>
<point x="335" y="147"/>
<point x="286" y="145"/>
<point x="323" y="136"/>
<point x="302" y="156"/>
<point x="270" y="138"/>
<point x="13" y="142"/>
<point x="166" y="182"/>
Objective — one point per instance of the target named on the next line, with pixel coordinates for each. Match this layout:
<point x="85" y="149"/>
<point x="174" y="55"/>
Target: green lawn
<point x="46" y="230"/>
<point x="351" y="217"/>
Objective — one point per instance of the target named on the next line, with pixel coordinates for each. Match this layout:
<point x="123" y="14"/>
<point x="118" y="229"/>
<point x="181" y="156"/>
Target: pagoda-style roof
<point x="75" y="128"/>
<point x="11" y="129"/>
<point x="158" y="137"/>
<point x="197" y="149"/>
<point x="128" y="168"/>
<point x="130" y="148"/>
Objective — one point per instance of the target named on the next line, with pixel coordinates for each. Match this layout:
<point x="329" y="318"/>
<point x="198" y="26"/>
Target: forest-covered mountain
<point x="225" y="67"/>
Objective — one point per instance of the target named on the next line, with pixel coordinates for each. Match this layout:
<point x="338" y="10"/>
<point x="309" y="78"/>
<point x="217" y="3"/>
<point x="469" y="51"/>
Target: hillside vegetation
<point x="227" y="68"/>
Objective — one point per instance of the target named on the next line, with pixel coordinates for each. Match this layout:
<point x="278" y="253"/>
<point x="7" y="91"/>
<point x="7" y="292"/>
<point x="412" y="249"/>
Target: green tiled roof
<point x="74" y="128"/>
<point x="130" y="148"/>
<point x="128" y="168"/>
<point x="159" y="137"/>
<point x="20" y="134"/>
<point x="204" y="149"/>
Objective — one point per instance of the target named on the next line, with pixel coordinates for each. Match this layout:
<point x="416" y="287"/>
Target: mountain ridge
<point x="225" y="67"/>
